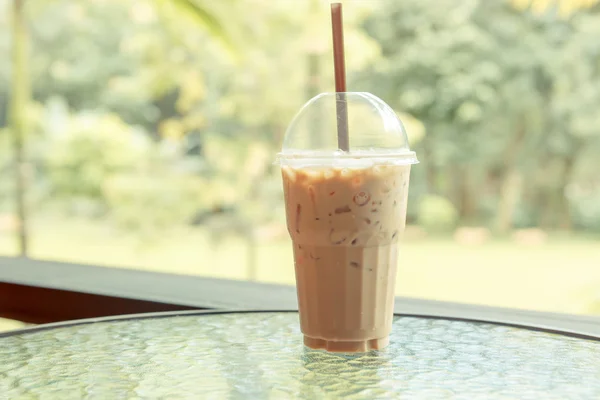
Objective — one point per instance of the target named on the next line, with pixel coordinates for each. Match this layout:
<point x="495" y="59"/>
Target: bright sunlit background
<point x="149" y="129"/>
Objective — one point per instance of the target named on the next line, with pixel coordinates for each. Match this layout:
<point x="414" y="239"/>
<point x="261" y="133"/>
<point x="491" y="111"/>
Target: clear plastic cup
<point x="346" y="212"/>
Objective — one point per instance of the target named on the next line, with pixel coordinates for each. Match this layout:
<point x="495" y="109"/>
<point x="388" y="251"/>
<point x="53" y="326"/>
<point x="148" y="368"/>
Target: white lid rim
<point x="403" y="157"/>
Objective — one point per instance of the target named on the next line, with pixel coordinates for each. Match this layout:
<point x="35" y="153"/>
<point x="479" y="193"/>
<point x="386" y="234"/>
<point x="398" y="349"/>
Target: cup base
<point x="334" y="346"/>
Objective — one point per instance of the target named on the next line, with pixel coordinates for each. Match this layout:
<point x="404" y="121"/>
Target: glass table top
<point x="260" y="356"/>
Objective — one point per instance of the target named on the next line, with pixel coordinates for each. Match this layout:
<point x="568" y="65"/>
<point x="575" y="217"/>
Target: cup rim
<point x="398" y="157"/>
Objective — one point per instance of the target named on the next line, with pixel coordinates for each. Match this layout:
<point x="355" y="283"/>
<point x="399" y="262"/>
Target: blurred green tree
<point x="503" y="122"/>
<point x="73" y="68"/>
<point x="493" y="89"/>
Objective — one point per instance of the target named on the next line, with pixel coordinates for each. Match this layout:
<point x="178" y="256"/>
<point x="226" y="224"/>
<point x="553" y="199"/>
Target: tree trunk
<point x="540" y="193"/>
<point x="251" y="256"/>
<point x="511" y="182"/>
<point x="564" y="211"/>
<point x="511" y="188"/>
<point x="552" y="201"/>
<point x="18" y="106"/>
<point x="547" y="202"/>
<point x="465" y="197"/>
<point x="431" y="172"/>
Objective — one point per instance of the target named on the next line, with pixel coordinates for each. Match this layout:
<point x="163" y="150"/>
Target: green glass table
<point x="259" y="355"/>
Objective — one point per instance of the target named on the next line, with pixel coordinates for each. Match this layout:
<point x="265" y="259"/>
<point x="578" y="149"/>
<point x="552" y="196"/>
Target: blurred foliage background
<point x="147" y="130"/>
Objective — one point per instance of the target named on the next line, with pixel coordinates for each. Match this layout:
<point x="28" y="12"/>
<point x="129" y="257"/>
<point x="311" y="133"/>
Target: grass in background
<point x="561" y="275"/>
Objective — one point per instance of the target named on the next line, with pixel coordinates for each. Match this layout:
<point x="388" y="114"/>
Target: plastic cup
<point x="346" y="212"/>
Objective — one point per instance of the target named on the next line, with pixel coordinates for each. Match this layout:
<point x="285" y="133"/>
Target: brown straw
<point x="340" y="76"/>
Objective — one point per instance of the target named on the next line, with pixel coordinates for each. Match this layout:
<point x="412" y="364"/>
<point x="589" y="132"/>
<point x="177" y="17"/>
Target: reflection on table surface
<point x="260" y="355"/>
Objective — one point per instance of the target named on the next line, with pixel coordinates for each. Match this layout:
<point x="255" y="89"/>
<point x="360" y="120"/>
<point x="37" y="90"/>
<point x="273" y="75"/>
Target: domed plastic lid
<point x="374" y="131"/>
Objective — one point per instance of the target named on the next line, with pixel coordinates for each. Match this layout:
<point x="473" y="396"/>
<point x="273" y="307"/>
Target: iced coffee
<point x="345" y="224"/>
<point x="345" y="215"/>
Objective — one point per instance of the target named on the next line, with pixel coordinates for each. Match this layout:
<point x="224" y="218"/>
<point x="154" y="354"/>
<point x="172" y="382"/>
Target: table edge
<point x="191" y="313"/>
